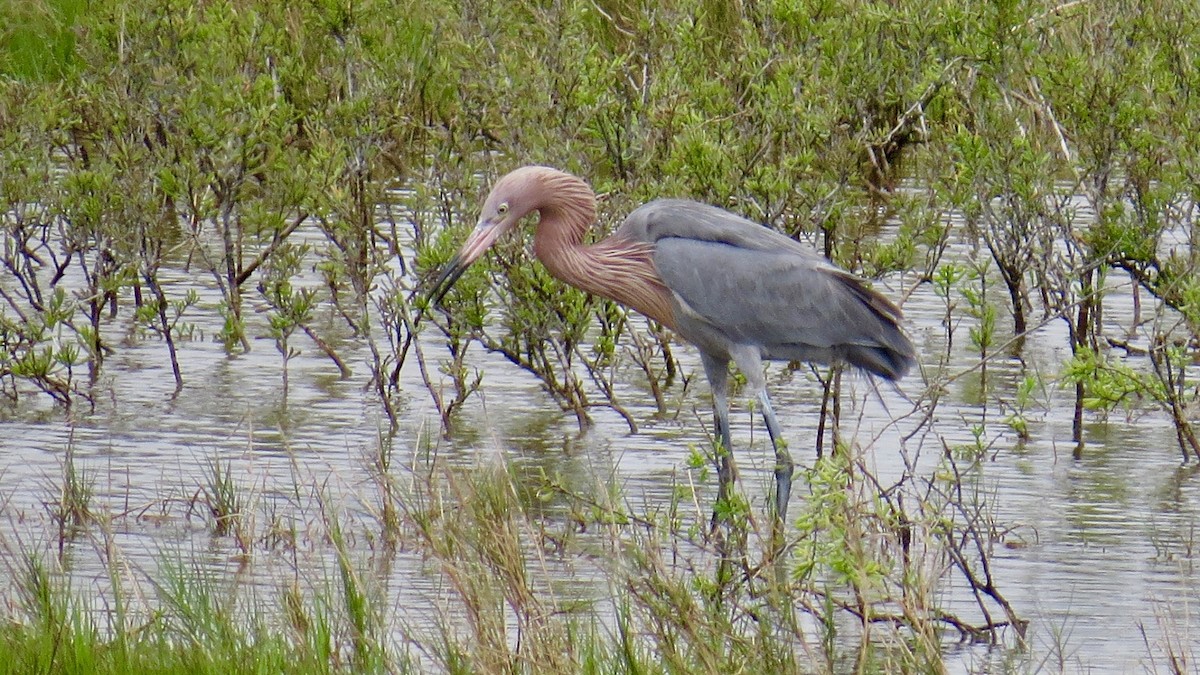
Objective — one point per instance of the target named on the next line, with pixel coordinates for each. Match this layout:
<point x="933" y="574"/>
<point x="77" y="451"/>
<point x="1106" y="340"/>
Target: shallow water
<point x="1103" y="548"/>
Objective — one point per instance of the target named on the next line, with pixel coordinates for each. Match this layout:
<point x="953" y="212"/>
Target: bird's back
<point x="736" y="282"/>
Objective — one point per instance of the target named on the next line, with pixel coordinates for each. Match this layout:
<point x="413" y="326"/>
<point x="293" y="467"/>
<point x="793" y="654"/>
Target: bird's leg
<point x="729" y="539"/>
<point x="784" y="466"/>
<point x="725" y="451"/>
<point x="718" y="379"/>
<point x="749" y="360"/>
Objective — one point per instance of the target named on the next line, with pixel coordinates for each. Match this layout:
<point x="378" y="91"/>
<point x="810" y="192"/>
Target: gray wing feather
<point x="668" y="218"/>
<point x="737" y="282"/>
<point x="762" y="297"/>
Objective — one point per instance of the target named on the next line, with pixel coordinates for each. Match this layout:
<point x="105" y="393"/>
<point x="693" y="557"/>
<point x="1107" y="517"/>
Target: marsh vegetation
<point x="233" y="447"/>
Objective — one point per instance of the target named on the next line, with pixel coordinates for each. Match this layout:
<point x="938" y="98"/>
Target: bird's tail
<point x="891" y="357"/>
<point x="884" y="349"/>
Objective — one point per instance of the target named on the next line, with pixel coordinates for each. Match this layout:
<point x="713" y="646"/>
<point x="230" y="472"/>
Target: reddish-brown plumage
<point x="615" y="268"/>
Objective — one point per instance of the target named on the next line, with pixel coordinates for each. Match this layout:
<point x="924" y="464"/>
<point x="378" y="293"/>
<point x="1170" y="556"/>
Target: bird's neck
<point x="617" y="269"/>
<point x="558" y="242"/>
<point x="566" y="216"/>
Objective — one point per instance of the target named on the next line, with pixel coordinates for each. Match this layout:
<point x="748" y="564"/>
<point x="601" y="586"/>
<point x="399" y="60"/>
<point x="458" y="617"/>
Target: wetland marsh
<point x="229" y="446"/>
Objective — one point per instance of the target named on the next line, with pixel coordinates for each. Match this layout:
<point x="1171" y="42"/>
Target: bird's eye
<point x="502" y="209"/>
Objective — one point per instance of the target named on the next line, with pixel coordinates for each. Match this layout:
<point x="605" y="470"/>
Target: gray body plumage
<point x="742" y="290"/>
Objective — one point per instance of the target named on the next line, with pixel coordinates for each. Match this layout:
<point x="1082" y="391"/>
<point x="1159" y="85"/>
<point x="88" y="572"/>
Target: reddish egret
<point x="736" y="290"/>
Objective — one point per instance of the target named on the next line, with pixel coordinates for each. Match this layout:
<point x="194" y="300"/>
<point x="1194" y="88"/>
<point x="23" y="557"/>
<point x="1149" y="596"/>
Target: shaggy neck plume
<point x="568" y="209"/>
<point x="617" y="269"/>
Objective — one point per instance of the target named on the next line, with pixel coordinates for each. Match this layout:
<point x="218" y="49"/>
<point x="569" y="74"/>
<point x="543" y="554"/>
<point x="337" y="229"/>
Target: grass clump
<point x="59" y="631"/>
<point x="196" y="621"/>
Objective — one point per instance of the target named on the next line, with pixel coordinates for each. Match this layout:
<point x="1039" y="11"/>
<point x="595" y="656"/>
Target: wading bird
<point x="735" y="289"/>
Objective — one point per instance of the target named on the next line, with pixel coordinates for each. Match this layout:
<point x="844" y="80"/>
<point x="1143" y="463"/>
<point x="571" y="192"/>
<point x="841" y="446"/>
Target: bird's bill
<point x="482" y="237"/>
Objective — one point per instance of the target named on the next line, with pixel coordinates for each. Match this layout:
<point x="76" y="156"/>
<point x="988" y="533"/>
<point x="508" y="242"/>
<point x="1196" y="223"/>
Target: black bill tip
<point x="445" y="281"/>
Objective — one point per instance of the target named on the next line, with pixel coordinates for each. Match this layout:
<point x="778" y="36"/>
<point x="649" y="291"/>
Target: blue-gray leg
<point x="717" y="372"/>
<point x="749" y="360"/>
<point x="784" y="467"/>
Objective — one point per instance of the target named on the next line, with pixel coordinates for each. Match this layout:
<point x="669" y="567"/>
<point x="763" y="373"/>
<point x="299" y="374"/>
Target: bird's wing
<point x="737" y="282"/>
<point x="754" y="280"/>
<point x="683" y="218"/>
<point x="771" y="298"/>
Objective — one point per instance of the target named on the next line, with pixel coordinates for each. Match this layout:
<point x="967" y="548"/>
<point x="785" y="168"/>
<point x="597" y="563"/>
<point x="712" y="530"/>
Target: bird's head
<point x="514" y="196"/>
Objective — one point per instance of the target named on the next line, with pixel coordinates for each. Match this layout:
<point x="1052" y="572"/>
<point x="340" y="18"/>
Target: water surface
<point x="1101" y="550"/>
